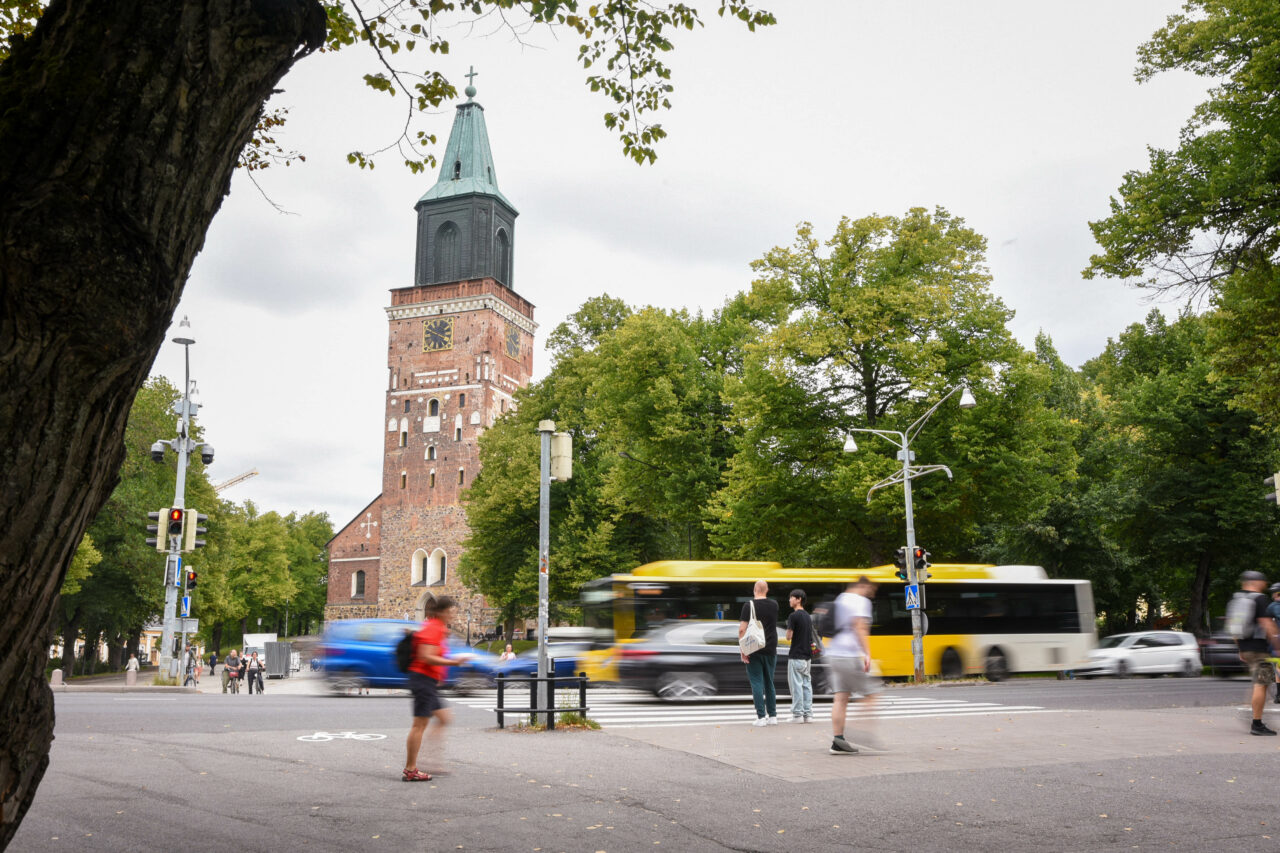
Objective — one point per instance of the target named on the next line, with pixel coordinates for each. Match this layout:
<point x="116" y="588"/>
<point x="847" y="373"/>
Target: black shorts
<point x="426" y="695"/>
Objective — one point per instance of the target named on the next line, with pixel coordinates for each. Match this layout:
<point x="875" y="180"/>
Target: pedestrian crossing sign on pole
<point x="913" y="596"/>
<point x="186" y="605"/>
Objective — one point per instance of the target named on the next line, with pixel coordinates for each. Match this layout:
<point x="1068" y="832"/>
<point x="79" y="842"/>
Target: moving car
<point x="1144" y="653"/>
<point x="565" y="655"/>
<point x="362" y="653"/>
<point x="685" y="660"/>
<point x="1220" y="653"/>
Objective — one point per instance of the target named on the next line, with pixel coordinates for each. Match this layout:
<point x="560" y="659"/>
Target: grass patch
<point x="164" y="681"/>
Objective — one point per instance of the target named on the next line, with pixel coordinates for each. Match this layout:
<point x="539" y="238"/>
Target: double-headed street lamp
<point x="902" y="441"/>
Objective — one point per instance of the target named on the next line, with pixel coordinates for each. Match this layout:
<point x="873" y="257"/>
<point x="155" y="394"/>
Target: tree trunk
<point x="120" y="125"/>
<point x="1198" y="612"/>
<point x="70" y="633"/>
<point x="131" y="646"/>
<point x="215" y="638"/>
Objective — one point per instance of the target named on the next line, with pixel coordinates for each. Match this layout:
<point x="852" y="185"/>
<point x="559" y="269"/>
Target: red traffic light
<point x="175" y="514"/>
<point x="175" y="521"/>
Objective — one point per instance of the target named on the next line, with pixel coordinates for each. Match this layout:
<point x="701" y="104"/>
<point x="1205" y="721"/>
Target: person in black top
<point x="800" y="659"/>
<point x="761" y="662"/>
<point x="1256" y="650"/>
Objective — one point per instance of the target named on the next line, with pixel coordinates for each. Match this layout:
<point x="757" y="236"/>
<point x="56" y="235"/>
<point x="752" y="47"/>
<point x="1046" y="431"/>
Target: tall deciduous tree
<point x="868" y="331"/>
<point x="120" y="125"/>
<point x="1202" y="219"/>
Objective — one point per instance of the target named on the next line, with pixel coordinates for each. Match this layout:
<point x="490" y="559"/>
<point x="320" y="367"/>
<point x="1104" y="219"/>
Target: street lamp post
<point x="902" y="441"/>
<point x="183" y="445"/>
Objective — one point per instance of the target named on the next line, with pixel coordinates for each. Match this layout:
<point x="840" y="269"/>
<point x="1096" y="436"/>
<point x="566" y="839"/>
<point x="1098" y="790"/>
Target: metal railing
<point x="548" y="683"/>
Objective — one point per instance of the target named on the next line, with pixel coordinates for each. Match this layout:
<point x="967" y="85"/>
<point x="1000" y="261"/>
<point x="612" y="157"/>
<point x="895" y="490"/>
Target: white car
<point x="1144" y="653"/>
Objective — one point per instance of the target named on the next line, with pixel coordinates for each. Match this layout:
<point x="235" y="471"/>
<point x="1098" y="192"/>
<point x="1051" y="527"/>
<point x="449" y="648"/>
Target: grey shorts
<point x="849" y="675"/>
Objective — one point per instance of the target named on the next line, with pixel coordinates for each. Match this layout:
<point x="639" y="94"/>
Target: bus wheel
<point x="951" y="665"/>
<point x="682" y="686"/>
<point x="996" y="667"/>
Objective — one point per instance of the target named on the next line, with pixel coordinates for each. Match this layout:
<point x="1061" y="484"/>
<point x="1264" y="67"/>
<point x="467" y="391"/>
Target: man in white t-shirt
<point x="849" y="659"/>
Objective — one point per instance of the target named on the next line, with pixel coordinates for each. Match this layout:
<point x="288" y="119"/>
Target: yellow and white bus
<point x="982" y="619"/>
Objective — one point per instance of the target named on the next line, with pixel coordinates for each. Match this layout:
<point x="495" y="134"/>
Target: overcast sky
<point x="1019" y="116"/>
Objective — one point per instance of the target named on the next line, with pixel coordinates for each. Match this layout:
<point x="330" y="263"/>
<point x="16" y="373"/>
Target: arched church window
<point x="357" y="585"/>
<point x="460" y="476"/>
<point x="448" y="254"/>
<point x="503" y="268"/>
<point x="431" y="452"/>
<point x="418" y="569"/>
<point x="433" y="408"/>
<point x="437" y="568"/>
<point x="462" y="398"/>
<point x="457" y="169"/>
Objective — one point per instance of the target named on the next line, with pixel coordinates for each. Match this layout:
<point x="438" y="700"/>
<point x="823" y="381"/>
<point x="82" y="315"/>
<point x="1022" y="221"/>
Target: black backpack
<point x="824" y="618"/>
<point x="404" y="651"/>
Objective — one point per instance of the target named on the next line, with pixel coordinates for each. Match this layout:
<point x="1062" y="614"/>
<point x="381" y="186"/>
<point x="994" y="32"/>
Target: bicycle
<point x="320" y="737"/>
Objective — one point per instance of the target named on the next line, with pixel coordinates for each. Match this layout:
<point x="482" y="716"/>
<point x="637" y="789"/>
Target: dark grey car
<point x="687" y="660"/>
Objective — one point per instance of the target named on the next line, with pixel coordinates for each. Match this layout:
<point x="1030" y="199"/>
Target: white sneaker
<point x="797" y="718"/>
<point x="761" y="721"/>
<point x="773" y="721"/>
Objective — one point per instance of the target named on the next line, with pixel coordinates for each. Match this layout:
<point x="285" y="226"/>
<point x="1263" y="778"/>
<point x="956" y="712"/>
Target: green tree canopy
<point x="1202" y="220"/>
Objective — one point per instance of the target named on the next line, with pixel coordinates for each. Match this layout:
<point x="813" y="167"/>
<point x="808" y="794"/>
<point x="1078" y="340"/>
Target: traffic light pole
<point x="902" y="440"/>
<point x="173" y="563"/>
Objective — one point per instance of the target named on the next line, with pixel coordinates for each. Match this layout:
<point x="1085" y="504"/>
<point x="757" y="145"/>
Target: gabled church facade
<point x="459" y="345"/>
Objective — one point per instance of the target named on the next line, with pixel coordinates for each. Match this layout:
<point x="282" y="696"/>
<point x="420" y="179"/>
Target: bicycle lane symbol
<point x="321" y="737"/>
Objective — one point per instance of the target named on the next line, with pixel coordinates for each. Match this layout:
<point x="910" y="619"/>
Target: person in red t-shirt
<point x="430" y="657"/>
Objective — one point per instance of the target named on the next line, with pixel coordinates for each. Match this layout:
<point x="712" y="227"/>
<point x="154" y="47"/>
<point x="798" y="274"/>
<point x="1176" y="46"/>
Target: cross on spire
<point x="471" y="88"/>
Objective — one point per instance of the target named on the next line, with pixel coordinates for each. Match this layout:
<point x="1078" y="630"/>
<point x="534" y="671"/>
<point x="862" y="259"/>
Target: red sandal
<point x="416" y="776"/>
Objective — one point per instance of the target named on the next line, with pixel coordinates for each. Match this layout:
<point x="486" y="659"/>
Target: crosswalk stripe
<point x="623" y="711"/>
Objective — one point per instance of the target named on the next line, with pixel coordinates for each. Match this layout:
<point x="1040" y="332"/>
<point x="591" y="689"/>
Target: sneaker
<point x="761" y="721"/>
<point x="1260" y="728"/>
<point x="797" y="718"/>
<point x="808" y="718"/>
<point x="840" y="746"/>
<point x="773" y="721"/>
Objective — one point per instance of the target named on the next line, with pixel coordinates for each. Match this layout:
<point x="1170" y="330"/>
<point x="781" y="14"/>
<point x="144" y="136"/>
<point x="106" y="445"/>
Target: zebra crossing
<point x="630" y="710"/>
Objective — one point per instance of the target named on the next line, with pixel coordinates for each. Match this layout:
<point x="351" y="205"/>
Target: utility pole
<point x="557" y="463"/>
<point x="175" y="524"/>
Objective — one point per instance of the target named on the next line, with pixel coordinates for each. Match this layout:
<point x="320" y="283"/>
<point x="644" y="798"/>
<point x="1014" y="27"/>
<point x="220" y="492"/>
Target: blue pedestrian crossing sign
<point x="186" y="605"/>
<point x="913" y="596"/>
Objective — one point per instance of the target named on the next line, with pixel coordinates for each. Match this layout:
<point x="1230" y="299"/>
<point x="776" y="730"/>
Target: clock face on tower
<point x="437" y="334"/>
<point x="513" y="341"/>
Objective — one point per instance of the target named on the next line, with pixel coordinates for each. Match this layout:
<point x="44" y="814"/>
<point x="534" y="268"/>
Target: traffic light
<point x="920" y="558"/>
<point x="193" y="529"/>
<point x="900" y="560"/>
<point x="159" y="542"/>
<point x="1274" y="482"/>
<point x="176" y="517"/>
<point x="191" y="579"/>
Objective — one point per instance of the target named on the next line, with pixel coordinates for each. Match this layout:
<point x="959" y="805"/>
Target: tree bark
<point x="120" y="125"/>
<point x="216" y="638"/>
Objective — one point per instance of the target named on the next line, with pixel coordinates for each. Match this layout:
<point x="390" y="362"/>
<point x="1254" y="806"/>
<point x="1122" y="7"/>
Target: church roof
<point x="467" y="165"/>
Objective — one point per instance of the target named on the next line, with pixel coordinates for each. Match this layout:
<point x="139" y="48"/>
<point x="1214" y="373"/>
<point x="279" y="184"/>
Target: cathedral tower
<point x="459" y="345"/>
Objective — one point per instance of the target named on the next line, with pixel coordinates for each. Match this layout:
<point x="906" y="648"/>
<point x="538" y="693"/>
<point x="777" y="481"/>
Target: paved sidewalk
<point x="798" y="753"/>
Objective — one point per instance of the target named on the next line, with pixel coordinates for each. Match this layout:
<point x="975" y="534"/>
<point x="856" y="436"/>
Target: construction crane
<point x="239" y="478"/>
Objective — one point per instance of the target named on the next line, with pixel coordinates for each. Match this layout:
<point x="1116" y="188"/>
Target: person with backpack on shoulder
<point x="1273" y="610"/>
<point x="429" y="658"/>
<point x="761" y="661"/>
<point x="1258" y="639"/>
<point x="255" y="673"/>
<point x="848" y="657"/>
<point x="800" y="659"/>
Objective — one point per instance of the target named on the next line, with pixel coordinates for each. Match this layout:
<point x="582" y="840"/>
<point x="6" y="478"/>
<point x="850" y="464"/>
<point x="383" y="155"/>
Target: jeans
<point x="801" y="681"/>
<point x="760" y="674"/>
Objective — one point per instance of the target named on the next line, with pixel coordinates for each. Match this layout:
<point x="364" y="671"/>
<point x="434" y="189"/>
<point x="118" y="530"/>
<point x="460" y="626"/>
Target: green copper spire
<point x="467" y="165"/>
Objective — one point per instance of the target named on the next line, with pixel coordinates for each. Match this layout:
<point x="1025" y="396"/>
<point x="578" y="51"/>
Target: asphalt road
<point x="1138" y="764"/>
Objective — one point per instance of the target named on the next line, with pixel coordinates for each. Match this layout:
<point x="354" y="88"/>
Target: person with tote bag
<point x="758" y="645"/>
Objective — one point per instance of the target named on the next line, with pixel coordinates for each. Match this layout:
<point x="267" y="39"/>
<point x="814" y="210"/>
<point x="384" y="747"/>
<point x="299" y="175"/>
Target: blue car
<point x="357" y="653"/>
<point x="565" y="655"/>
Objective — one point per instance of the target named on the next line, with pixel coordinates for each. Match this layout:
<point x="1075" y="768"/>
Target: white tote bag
<point x="753" y="639"/>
